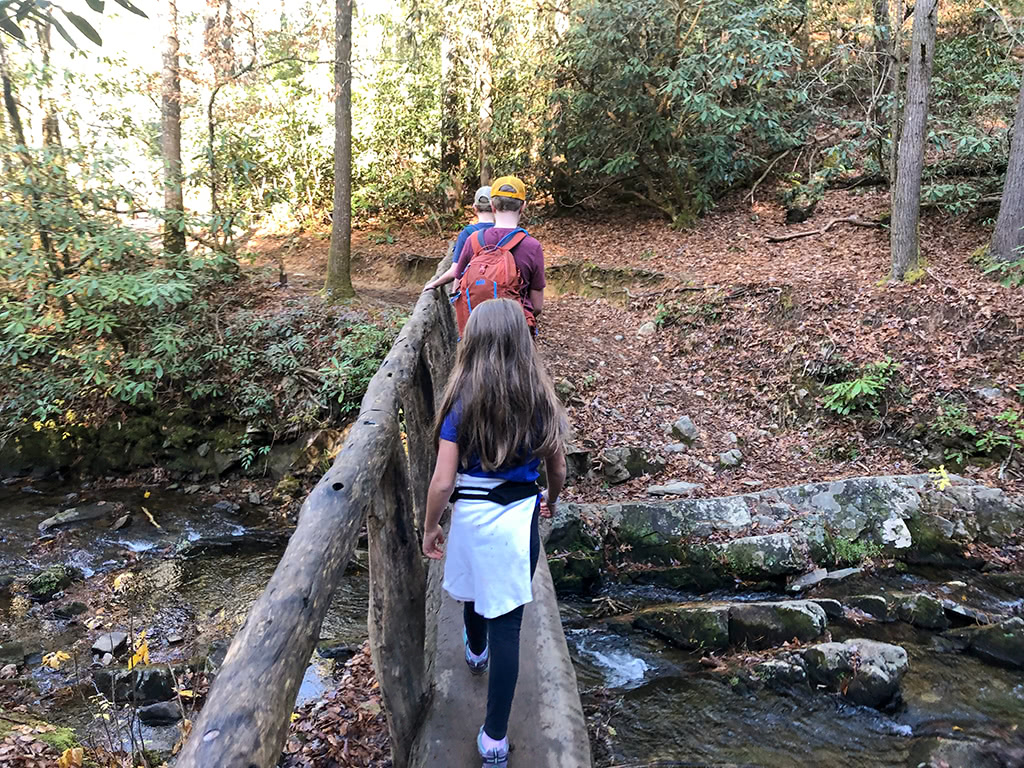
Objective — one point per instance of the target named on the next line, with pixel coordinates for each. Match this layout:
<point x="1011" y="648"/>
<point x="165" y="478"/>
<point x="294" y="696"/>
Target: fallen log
<point x="854" y="220"/>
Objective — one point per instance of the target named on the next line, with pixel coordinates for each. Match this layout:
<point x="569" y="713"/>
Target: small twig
<point x="750" y="195"/>
<point x="854" y="220"/>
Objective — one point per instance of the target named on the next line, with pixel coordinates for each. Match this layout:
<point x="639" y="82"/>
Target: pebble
<point x="647" y="329"/>
<point x="619" y="337"/>
<point x="214" y="488"/>
<point x="254" y="498"/>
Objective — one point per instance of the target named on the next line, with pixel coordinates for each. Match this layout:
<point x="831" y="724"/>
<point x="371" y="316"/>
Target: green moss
<point x="60" y="739"/>
<point x="52" y="580"/>
<point x="851" y="552"/>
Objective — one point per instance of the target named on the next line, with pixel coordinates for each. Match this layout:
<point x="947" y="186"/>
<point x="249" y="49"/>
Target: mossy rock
<point x="289" y="488"/>
<point x="575" y="572"/>
<point x="46" y="584"/>
<point x="690" y="627"/>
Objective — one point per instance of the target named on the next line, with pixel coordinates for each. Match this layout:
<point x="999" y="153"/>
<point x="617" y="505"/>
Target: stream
<point x="666" y="708"/>
<point x="196" y="569"/>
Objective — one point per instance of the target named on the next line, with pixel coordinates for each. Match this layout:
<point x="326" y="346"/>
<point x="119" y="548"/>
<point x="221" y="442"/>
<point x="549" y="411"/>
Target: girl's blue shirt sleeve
<point x="450" y="427"/>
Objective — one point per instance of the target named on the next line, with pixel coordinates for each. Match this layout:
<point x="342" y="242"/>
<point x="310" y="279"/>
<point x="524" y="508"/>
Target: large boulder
<point x="765" y="625"/>
<point x="620" y="464"/>
<point x="865" y="671"/>
<point x="922" y="611"/>
<point x="702" y="627"/>
<point x="142" y="685"/>
<point x="760" y="557"/>
<point x="1001" y="644"/>
<point x="685" y="431"/>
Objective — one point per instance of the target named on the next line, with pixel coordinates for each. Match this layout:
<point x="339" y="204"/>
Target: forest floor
<point x="747" y="335"/>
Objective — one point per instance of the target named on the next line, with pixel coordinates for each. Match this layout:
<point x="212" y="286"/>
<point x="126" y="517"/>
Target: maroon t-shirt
<point x="529" y="257"/>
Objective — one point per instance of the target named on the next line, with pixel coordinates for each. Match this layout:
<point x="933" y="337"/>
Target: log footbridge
<point x="434" y="706"/>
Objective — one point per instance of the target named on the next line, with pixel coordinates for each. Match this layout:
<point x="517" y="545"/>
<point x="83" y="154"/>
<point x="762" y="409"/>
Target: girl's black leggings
<point x="501" y="635"/>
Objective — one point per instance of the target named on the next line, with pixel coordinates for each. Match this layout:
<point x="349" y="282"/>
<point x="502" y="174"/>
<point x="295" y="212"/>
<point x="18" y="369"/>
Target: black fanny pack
<point x="507" y="493"/>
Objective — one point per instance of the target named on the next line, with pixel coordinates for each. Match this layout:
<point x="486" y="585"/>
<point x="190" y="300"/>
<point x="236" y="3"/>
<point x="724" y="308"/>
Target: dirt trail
<point x="750" y="333"/>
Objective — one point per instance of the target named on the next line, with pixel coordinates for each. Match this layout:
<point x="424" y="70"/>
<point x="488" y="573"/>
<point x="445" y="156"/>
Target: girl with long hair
<point x="500" y="418"/>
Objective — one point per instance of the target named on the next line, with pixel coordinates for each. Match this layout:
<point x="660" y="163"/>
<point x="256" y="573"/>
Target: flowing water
<point x="196" y="571"/>
<point x="667" y="709"/>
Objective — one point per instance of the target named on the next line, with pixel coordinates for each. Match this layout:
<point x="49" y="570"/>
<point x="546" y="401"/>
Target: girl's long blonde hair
<point x="507" y="406"/>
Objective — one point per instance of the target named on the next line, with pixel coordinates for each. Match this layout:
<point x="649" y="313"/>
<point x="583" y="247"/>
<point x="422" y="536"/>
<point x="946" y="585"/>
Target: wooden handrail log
<point x="245" y="720"/>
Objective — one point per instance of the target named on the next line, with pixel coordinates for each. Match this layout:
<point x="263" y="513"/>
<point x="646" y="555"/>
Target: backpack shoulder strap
<point x="477" y="243"/>
<point x="513" y="238"/>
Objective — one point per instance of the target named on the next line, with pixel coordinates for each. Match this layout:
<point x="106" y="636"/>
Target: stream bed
<point x="662" y="706"/>
<point x="194" y="567"/>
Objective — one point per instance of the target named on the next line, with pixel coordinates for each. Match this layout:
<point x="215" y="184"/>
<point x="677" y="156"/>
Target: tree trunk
<point x="51" y="125"/>
<point x="895" y="76"/>
<point x="486" y="114"/>
<point x="339" y="276"/>
<point x="10" y="101"/>
<point x="906" y="209"/>
<point x="451" y="159"/>
<point x="881" y="62"/>
<point x="170" y="139"/>
<point x="1008" y="237"/>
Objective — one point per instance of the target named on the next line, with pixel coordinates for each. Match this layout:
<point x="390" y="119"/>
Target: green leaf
<point x="64" y="33"/>
<point x="84" y="27"/>
<point x="130" y="7"/>
<point x="11" y="28"/>
<point x="96" y="5"/>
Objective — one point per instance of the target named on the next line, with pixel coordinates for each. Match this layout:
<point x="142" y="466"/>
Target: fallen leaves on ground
<point x="347" y="728"/>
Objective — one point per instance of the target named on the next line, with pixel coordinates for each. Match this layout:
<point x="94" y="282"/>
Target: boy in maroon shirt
<point x="508" y="198"/>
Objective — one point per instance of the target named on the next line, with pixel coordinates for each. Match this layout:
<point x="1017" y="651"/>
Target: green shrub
<point x="864" y="392"/>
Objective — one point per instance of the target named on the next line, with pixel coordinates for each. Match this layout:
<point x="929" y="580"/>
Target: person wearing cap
<point x="484" y="220"/>
<point x="508" y="199"/>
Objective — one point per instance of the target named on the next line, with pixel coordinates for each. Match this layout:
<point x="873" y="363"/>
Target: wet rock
<point x="961" y="615"/>
<point x="895" y="533"/>
<point x="808" y="580"/>
<point x="677" y="488"/>
<point x="843" y="573"/>
<point x="80" y="514"/>
<point x="684" y="430"/>
<point x="760" y="557"/>
<point x="832" y="608"/>
<point x="46" y="585"/>
<point x="121" y="522"/>
<point x="143" y="685"/>
<point x="781" y="674"/>
<point x="765" y="625"/>
<point x="254" y="498"/>
<point x="161" y="713"/>
<point x="867" y="672"/>
<point x="922" y="611"/>
<point x="340" y="652"/>
<point x="70" y="610"/>
<point x="875" y="606"/>
<point x="160" y="742"/>
<point x="647" y="329"/>
<point x="13" y="652"/>
<point x="731" y="458"/>
<point x="203" y="450"/>
<point x="576" y="572"/>
<point x="693" y="628"/>
<point x="107" y="660"/>
<point x="226" y="507"/>
<point x="112" y="642"/>
<point x="1001" y="644"/>
<point x="949" y="753"/>
<point x="249" y="541"/>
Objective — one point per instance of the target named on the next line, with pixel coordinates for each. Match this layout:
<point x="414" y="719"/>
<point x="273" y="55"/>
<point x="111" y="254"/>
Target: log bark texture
<point x="397" y="618"/>
<point x="904" y="240"/>
<point x="170" y="137"/>
<point x="245" y="720"/>
<point x="339" y="260"/>
<point x="1008" y="237"/>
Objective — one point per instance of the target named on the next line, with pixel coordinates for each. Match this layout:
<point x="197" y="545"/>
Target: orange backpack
<point x="492" y="274"/>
